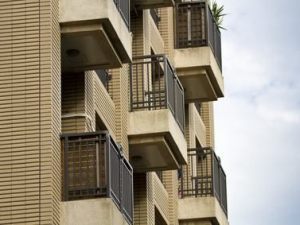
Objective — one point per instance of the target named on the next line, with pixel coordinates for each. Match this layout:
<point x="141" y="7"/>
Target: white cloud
<point x="258" y="121"/>
<point x="248" y="74"/>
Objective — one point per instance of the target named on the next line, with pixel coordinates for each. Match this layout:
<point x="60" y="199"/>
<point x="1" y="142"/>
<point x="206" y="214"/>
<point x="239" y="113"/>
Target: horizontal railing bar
<point x="84" y="134"/>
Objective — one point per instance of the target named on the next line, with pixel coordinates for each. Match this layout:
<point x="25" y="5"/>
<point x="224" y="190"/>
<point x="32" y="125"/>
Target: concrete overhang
<point x="201" y="209"/>
<point x="199" y="74"/>
<point x="147" y="4"/>
<point x="94" y="35"/>
<point x="155" y="141"/>
<point x="100" y="211"/>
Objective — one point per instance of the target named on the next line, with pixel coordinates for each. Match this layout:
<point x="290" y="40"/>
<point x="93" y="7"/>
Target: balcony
<point x="95" y="34"/>
<point x="148" y="4"/>
<point x="156" y="120"/>
<point x="97" y="180"/>
<point x="203" y="186"/>
<point x="198" y="58"/>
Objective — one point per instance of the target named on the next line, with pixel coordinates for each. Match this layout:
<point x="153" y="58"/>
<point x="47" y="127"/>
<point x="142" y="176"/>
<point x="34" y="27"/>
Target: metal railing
<point x="196" y="27"/>
<point x="124" y="8"/>
<point x="205" y="177"/>
<point x="94" y="167"/>
<point x="155" y="16"/>
<point x="154" y="85"/>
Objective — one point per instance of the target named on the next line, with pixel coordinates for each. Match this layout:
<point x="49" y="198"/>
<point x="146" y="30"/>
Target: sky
<point x="257" y="124"/>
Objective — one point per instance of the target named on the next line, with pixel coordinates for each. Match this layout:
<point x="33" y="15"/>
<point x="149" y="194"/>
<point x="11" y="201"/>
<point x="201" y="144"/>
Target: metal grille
<point x="124" y="8"/>
<point x="196" y="27"/>
<point x="115" y="178"/>
<point x="94" y="166"/>
<point x="205" y="178"/>
<point x="154" y="85"/>
<point x="127" y="184"/>
<point x="179" y="105"/>
<point x="84" y="172"/>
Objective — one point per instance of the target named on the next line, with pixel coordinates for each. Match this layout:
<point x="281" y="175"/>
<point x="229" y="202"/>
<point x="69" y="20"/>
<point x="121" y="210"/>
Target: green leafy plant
<point x="218" y="14"/>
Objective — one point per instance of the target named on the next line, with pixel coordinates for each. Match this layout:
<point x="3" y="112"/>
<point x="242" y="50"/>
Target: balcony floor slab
<point x="201" y="208"/>
<point x="199" y="73"/>
<point x="155" y="141"/>
<point x="100" y="211"/>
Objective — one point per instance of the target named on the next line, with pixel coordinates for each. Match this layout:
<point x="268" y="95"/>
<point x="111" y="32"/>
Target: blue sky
<point x="258" y="122"/>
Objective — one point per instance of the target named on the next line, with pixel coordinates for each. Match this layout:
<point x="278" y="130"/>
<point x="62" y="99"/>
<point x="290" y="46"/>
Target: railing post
<point x="207" y="35"/>
<point x="166" y="81"/>
<point x="97" y="149"/>
<point x="121" y="179"/>
<point x="131" y="86"/>
<point x="128" y="14"/>
<point x="107" y="152"/>
<point x="181" y="181"/>
<point x="175" y="98"/>
<point x="66" y="175"/>
<point x="220" y="185"/>
<point x="196" y="186"/>
<point x="189" y="25"/>
<point x="213" y="173"/>
<point x="176" y="27"/>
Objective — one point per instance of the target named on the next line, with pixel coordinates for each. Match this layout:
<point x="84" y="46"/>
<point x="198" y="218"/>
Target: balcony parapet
<point x="154" y="85"/>
<point x="207" y="179"/>
<point x="150" y="4"/>
<point x="197" y="55"/>
<point x="94" y="167"/>
<point x="196" y="27"/>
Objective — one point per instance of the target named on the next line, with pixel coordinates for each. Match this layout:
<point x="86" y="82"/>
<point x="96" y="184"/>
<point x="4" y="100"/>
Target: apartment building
<point x="106" y="113"/>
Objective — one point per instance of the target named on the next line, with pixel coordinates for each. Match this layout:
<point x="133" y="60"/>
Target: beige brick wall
<point x="171" y="184"/>
<point x="207" y="113"/>
<point x="161" y="196"/>
<point x="73" y="103"/>
<point x="166" y="29"/>
<point x="138" y="35"/>
<point x="89" y="101"/>
<point x="119" y="92"/>
<point x="104" y="105"/>
<point x="195" y="223"/>
<point x="30" y="112"/>
<point x="140" y="200"/>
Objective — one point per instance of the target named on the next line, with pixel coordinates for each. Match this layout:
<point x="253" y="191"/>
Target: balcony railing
<point x="196" y="27"/>
<point x="94" y="167"/>
<point x="154" y="85"/>
<point x="205" y="177"/>
<point x="124" y="8"/>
